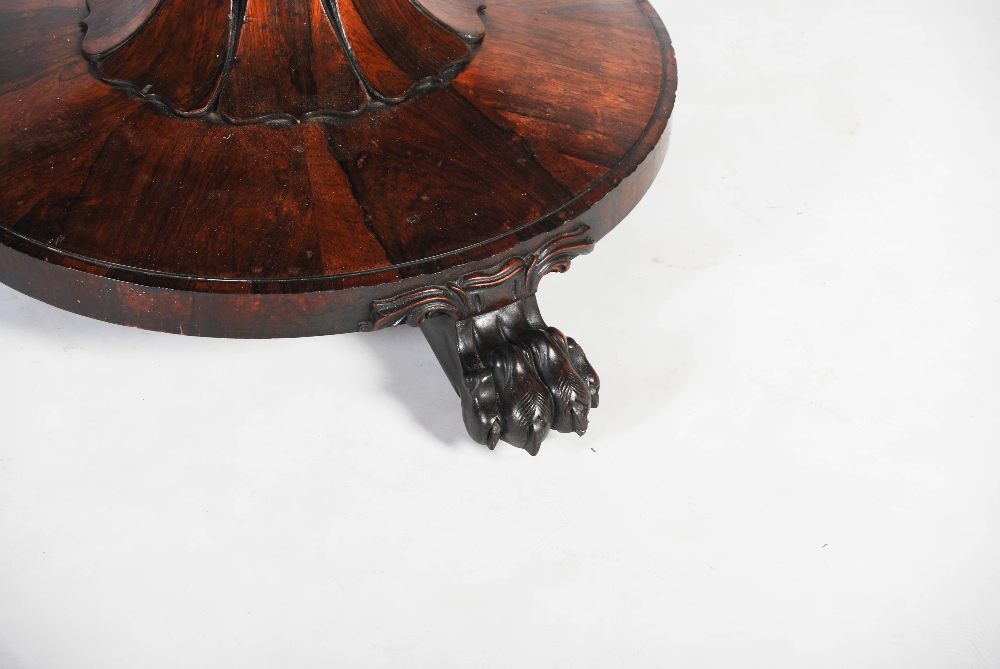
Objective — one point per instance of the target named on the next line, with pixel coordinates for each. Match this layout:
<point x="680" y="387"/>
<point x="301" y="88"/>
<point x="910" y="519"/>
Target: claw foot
<point x="517" y="378"/>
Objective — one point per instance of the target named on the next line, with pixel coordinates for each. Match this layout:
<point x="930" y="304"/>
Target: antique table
<point x="288" y="168"/>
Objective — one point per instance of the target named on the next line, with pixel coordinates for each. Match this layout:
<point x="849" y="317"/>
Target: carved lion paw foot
<point x="517" y="378"/>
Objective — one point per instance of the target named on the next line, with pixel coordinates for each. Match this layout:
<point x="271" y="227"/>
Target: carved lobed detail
<point x="481" y="292"/>
<point x="277" y="61"/>
<point x="517" y="378"/>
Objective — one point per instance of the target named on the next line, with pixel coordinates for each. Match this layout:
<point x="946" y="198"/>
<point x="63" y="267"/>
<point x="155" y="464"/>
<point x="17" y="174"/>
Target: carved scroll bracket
<point x="481" y="292"/>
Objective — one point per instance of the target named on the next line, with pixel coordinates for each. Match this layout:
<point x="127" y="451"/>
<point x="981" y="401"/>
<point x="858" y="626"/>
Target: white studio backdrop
<point x="795" y="462"/>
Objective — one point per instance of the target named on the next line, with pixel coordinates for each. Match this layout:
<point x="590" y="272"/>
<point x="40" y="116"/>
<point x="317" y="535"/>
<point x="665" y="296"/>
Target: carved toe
<point x="569" y="391"/>
<point x="481" y="408"/>
<point x="524" y="399"/>
<point x="582" y="366"/>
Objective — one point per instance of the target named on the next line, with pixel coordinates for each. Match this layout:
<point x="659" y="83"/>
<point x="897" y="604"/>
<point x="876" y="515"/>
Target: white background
<point x="795" y="464"/>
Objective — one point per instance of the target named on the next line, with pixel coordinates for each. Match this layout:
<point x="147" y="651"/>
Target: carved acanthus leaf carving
<point x="518" y="379"/>
<point x="480" y="292"/>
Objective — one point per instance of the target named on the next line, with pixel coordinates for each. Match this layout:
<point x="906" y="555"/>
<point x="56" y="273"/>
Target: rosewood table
<point x="289" y="168"/>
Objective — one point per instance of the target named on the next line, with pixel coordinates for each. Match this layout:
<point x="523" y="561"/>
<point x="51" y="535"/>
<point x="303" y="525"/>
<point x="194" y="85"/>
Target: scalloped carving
<point x="254" y="61"/>
<point x="480" y="292"/>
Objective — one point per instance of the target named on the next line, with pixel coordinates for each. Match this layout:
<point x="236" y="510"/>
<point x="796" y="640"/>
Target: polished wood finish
<point x="164" y="169"/>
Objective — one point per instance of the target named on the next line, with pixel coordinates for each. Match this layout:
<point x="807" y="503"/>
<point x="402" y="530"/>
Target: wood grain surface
<point x="162" y="168"/>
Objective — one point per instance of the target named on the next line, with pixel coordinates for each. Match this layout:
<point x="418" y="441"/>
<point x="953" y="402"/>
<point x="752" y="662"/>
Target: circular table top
<point x="165" y="167"/>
